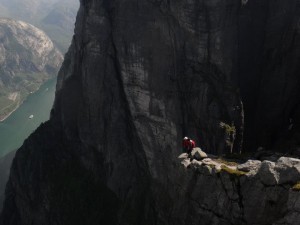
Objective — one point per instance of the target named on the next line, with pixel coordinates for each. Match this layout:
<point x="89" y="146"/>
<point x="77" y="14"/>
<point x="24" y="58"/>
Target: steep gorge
<point x="27" y="59"/>
<point x="138" y="76"/>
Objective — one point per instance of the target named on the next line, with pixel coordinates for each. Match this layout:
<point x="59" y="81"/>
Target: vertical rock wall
<point x="138" y="76"/>
<point x="269" y="73"/>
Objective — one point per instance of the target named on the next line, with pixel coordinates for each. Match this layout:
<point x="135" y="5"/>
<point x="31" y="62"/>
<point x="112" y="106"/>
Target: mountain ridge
<point x="36" y="12"/>
<point x="28" y="58"/>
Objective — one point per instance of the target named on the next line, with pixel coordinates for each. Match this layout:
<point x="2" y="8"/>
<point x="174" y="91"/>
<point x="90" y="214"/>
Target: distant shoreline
<point x="2" y="119"/>
<point x="5" y="117"/>
<point x="18" y="105"/>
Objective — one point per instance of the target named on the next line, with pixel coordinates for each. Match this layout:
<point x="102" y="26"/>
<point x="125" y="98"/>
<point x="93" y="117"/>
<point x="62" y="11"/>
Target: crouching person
<point x="188" y="145"/>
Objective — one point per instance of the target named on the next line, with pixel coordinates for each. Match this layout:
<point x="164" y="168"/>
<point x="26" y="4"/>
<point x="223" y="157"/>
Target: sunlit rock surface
<point x="27" y="59"/>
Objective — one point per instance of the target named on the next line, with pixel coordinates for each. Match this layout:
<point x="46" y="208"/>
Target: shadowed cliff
<point x="138" y="77"/>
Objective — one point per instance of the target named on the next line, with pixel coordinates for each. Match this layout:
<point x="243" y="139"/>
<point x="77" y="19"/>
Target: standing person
<point x="188" y="145"/>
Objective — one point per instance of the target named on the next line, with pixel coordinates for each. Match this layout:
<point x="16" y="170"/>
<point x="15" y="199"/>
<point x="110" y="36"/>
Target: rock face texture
<point x="138" y="77"/>
<point x="27" y="58"/>
<point x="268" y="73"/>
<point x="5" y="164"/>
<point x="262" y="195"/>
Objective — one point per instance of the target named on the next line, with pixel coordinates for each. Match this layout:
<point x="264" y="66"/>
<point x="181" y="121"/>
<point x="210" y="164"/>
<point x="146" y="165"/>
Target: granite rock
<point x="139" y="76"/>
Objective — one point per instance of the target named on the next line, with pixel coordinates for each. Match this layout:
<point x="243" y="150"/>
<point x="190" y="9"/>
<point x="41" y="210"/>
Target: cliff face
<point x="140" y="75"/>
<point x="222" y="192"/>
<point x="27" y="59"/>
<point x="5" y="164"/>
<point x="268" y="73"/>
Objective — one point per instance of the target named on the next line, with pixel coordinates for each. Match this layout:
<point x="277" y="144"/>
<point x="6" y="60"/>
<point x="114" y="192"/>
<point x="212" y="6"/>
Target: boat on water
<point x="31" y="116"/>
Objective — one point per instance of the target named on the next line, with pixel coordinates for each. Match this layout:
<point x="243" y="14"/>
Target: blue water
<point x="16" y="128"/>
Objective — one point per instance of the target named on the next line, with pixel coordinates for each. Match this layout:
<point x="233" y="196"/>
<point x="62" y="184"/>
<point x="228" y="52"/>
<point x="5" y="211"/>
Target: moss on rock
<point x="231" y="171"/>
<point x="296" y="186"/>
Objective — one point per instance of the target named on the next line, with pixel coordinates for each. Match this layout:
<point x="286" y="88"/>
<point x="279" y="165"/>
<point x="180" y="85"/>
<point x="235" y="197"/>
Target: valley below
<point x="17" y="127"/>
<point x="28" y="59"/>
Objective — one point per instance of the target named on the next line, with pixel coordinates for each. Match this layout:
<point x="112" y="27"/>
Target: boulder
<point x="196" y="163"/>
<point x="198" y="154"/>
<point x="288" y="161"/>
<point x="186" y="163"/>
<point x="249" y="166"/>
<point x="183" y="156"/>
<point x="288" y="170"/>
<point x="267" y="173"/>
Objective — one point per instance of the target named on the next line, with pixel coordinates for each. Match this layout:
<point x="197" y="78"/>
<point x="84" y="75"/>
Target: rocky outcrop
<point x="263" y="195"/>
<point x="250" y="165"/>
<point x="198" y="154"/>
<point x="138" y="77"/>
<point x="27" y="59"/>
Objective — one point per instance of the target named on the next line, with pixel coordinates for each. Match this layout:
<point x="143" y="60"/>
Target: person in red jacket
<point x="188" y="144"/>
